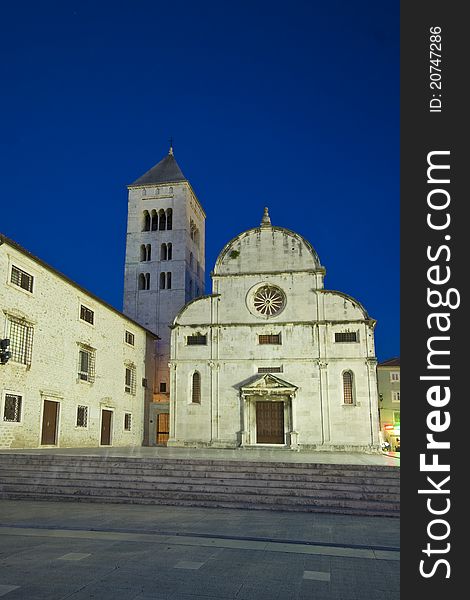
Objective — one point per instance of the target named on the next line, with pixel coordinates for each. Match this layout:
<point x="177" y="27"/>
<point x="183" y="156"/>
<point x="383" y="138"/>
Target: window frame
<point x="268" y="339"/>
<point x="396" y="396"/>
<point x="196" y="337"/>
<point x="22" y="274"/>
<point x="196" y="392"/>
<point x="352" y="390"/>
<point x="18" y="395"/>
<point x="91" y="372"/>
<point x="127" y="425"/>
<point x="346" y="333"/>
<point x="129" y="334"/>
<point x="395" y="379"/>
<point x="85" y="426"/>
<point x="130" y="387"/>
<point x="84" y="311"/>
<point x="24" y="355"/>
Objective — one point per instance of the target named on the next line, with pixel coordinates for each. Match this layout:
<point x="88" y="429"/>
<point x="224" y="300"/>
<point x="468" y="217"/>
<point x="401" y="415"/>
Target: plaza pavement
<point x="78" y="551"/>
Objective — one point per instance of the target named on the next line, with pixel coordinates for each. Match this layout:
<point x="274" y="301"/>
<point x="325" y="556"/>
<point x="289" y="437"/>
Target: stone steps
<point x="346" y="489"/>
<point x="205" y="480"/>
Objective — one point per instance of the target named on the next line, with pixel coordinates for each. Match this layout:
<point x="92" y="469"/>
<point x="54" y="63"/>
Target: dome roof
<point x="267" y="249"/>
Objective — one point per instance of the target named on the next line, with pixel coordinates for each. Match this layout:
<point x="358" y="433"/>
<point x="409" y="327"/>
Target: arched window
<point x="169" y="251"/>
<point x="161" y="220"/>
<point x="168" y="281"/>
<point x="348" y="392"/>
<point x="163" y="252"/>
<point x="143" y="253"/>
<point x="147" y="281"/>
<point x="141" y="281"/>
<point x="146" y="221"/>
<point x="149" y="252"/>
<point x="196" y="388"/>
<point x="190" y="288"/>
<point x="154" y="220"/>
<point x="190" y="260"/>
<point x="169" y="219"/>
<point x="162" y="281"/>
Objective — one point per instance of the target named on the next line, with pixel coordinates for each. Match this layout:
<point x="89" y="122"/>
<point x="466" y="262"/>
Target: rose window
<point x="269" y="301"/>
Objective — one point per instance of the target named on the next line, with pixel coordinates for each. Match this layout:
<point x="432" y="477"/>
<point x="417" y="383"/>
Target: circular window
<point x="269" y="301"/>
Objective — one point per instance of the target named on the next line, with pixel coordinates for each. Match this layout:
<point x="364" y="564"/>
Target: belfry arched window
<point x="143" y="253"/>
<point x="144" y="281"/>
<point x="348" y="388"/>
<point x="169" y="218"/>
<point x="196" y="388"/>
<point x="163" y="252"/>
<point x="146" y="221"/>
<point x="149" y="252"/>
<point x="169" y="248"/>
<point x="168" y="281"/>
<point x="161" y="220"/>
<point x="154" y="220"/>
<point x="162" y="281"/>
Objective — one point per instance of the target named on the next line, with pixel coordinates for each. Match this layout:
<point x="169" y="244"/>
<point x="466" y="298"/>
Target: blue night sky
<point x="294" y="106"/>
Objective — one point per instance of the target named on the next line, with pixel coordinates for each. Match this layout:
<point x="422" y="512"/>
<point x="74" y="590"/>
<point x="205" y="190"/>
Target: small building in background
<point x="388" y="380"/>
<point x="74" y="370"/>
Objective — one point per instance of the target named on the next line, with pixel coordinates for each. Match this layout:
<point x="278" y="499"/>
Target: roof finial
<point x="266" y="221"/>
<point x="170" y="152"/>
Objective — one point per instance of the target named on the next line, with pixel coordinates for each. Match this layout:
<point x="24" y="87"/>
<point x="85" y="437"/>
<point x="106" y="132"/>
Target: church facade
<point x="271" y="358"/>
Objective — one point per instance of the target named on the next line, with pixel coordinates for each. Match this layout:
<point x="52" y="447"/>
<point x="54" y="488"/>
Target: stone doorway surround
<point x="268" y="388"/>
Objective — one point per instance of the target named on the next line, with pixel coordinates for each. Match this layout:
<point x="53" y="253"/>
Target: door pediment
<point x="267" y="383"/>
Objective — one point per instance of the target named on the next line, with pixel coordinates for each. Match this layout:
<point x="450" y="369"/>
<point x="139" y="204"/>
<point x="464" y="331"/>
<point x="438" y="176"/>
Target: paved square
<point x="317" y="575"/>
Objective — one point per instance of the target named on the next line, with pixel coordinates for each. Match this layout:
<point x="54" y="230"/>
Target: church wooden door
<point x="270" y="423"/>
<point x="106" y="416"/>
<point x="49" y="423"/>
<point x="162" y="428"/>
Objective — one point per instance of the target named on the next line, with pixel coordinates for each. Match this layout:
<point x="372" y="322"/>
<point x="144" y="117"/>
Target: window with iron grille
<point x="346" y="336"/>
<point x="270" y="339"/>
<point x="348" y="388"/>
<point x="86" y="314"/>
<point x="20" y="334"/>
<point x="21" y="279"/>
<point x="82" y="416"/>
<point x="196" y="340"/>
<point x="130" y="380"/>
<point x="130" y="338"/>
<point x="12" y="408"/>
<point x="196" y="388"/>
<point x="127" y="421"/>
<point x="86" y="364"/>
<point x="269" y="369"/>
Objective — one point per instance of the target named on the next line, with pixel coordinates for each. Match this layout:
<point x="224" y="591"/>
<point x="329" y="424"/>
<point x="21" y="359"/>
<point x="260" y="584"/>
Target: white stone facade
<point x="64" y="357"/>
<point x="301" y="385"/>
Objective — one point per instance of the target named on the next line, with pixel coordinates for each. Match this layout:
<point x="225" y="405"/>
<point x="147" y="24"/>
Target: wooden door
<point x="49" y="423"/>
<point x="163" y="421"/>
<point x="270" y="423"/>
<point x="106" y="418"/>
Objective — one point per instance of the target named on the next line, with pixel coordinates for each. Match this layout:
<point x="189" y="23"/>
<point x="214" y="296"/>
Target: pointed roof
<point x="166" y="171"/>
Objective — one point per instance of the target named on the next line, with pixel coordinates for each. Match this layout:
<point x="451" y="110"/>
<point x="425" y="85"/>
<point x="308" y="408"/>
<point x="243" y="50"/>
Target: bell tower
<point x="165" y="256"/>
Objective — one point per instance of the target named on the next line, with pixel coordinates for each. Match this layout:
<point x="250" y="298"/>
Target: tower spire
<point x="266" y="221"/>
<point x="170" y="151"/>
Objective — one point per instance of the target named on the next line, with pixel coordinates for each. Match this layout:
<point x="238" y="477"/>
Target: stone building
<point x="77" y="368"/>
<point x="388" y="380"/>
<point x="165" y="267"/>
<point x="271" y="358"/>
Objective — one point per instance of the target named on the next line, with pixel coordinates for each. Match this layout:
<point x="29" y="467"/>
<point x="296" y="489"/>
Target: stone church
<point x="269" y="358"/>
